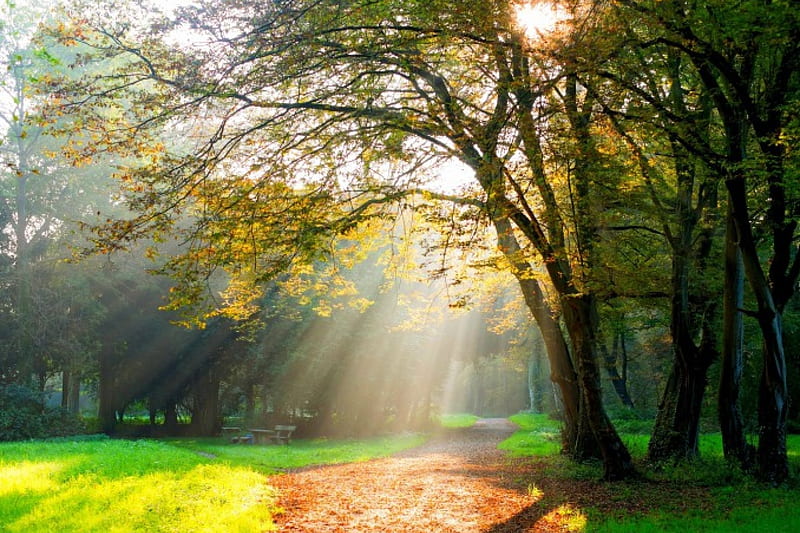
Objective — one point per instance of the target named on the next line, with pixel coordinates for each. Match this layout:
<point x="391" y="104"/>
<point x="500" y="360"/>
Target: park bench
<point x="234" y="433"/>
<point x="283" y="434"/>
<point x="230" y="431"/>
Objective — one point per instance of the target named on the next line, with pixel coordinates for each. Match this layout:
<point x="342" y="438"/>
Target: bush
<point x="23" y="416"/>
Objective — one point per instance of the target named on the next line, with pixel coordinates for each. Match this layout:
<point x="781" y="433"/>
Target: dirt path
<point x="460" y="482"/>
<point x="456" y="482"/>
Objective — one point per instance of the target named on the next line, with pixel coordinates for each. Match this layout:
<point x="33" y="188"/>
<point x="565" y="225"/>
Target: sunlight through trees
<point x="353" y="216"/>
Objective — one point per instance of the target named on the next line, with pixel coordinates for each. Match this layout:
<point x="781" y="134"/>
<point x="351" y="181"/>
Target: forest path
<point x="457" y="482"/>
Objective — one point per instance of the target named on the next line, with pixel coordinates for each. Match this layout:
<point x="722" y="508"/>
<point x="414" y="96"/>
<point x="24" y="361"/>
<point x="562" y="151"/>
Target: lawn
<point x="729" y="501"/>
<point x="187" y="485"/>
<point x="180" y="485"/>
<point x="457" y="420"/>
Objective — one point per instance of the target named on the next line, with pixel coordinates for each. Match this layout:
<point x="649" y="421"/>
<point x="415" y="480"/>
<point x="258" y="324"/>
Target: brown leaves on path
<point x="457" y="482"/>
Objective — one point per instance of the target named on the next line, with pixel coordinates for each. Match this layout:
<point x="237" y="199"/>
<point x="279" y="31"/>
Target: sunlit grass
<point x="458" y="420"/>
<point x="736" y="503"/>
<point x="538" y="435"/>
<point x="115" y="485"/>
<point x="28" y="477"/>
<point x="271" y="459"/>
<point x="565" y="518"/>
<point x="175" y="486"/>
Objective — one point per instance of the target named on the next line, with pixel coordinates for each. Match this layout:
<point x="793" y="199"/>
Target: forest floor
<point x="458" y="482"/>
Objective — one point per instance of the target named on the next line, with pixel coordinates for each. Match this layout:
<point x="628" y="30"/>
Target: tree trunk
<point x="534" y="394"/>
<point x="250" y="402"/>
<point x="773" y="463"/>
<point x="205" y="415"/>
<point x="577" y="439"/>
<point x="676" y="431"/>
<point x="677" y="426"/>
<point x="70" y="391"/>
<point x="619" y="382"/>
<point x="580" y="318"/>
<point x="170" y="416"/>
<point x="107" y="409"/>
<point x="734" y="444"/>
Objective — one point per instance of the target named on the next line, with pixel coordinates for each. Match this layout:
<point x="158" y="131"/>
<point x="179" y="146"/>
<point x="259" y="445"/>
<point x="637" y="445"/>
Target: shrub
<point x="23" y="416"/>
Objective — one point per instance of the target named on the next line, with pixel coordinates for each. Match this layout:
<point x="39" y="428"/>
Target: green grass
<point x="735" y="502"/>
<point x="208" y="485"/>
<point x="272" y="459"/>
<point x="538" y="436"/>
<point x="156" y="486"/>
<point x="458" y="420"/>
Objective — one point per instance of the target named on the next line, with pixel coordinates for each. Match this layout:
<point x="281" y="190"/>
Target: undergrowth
<point x="731" y="500"/>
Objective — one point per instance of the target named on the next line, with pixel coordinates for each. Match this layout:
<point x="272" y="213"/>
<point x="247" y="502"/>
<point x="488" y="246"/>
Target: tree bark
<point x="107" y="409"/>
<point x="734" y="444"/>
<point x="773" y="463"/>
<point x="170" y="416"/>
<point x="580" y="318"/>
<point x="676" y="430"/>
<point x="205" y="414"/>
<point x="534" y="392"/>
<point x="577" y="440"/>
<point x="618" y="381"/>
<point x="70" y="391"/>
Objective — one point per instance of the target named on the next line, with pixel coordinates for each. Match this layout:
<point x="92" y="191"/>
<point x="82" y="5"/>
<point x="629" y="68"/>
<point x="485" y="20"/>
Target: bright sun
<point x="539" y="18"/>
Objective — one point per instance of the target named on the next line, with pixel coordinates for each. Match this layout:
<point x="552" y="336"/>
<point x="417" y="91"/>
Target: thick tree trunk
<point x="205" y="415"/>
<point x="734" y="444"/>
<point x="773" y="463"/>
<point x="534" y="392"/>
<point x="676" y="431"/>
<point x="170" y="416"/>
<point x="580" y="319"/>
<point x="250" y="403"/>
<point x="578" y="440"/>
<point x="70" y="391"/>
<point x="675" y="434"/>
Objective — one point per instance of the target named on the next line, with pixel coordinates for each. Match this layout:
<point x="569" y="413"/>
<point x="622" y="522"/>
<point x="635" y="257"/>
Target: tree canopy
<point x="628" y="162"/>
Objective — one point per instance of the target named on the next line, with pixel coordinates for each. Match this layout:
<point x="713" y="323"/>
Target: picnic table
<point x="280" y="434"/>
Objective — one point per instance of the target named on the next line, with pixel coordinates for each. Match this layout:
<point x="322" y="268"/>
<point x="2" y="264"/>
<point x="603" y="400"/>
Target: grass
<point x="272" y="459"/>
<point x="208" y="485"/>
<point x="729" y="500"/>
<point x="458" y="420"/>
<point x="180" y="485"/>
<point x="537" y="436"/>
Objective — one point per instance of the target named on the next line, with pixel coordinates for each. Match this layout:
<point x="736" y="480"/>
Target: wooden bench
<point x="242" y="439"/>
<point x="234" y="433"/>
<point x="283" y="434"/>
<point x="279" y="435"/>
<point x="230" y="431"/>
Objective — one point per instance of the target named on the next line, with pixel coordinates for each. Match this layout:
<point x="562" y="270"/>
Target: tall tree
<point x="746" y="57"/>
<point x="329" y="94"/>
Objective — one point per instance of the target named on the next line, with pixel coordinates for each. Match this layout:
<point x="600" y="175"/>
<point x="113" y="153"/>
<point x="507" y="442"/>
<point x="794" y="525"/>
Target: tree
<point x="310" y="98"/>
<point x="47" y="317"/>
<point x="746" y="57"/>
<point x="683" y="199"/>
